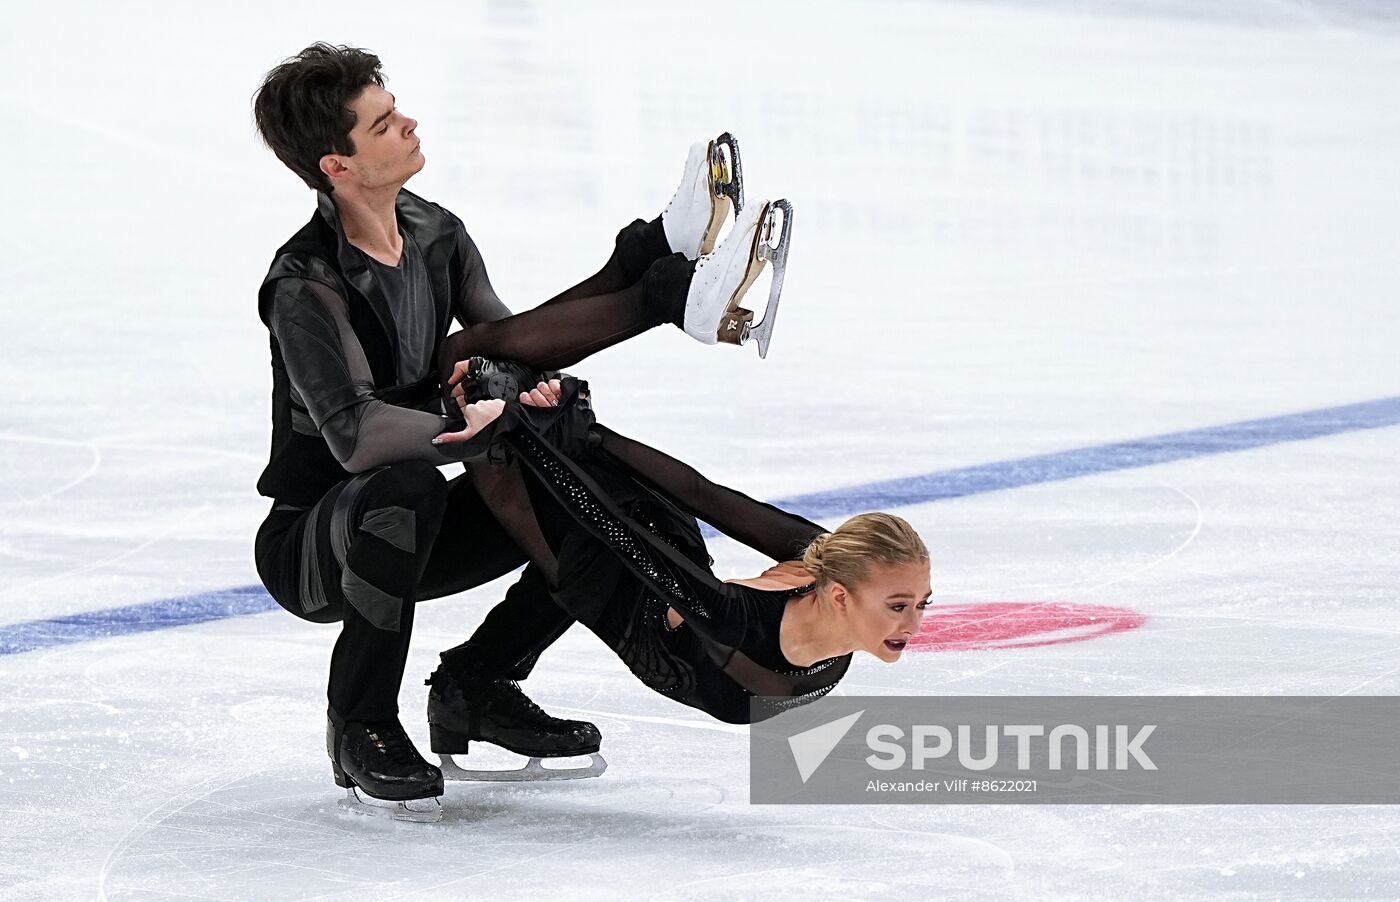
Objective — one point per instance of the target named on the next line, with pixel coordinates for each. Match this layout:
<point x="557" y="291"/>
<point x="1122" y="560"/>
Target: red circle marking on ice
<point x="1019" y="624"/>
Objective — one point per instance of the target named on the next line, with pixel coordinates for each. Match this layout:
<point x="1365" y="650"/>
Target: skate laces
<point x="512" y="697"/>
<point x="392" y="742"/>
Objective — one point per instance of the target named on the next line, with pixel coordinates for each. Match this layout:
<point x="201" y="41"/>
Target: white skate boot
<point x="713" y="180"/>
<point x="712" y="312"/>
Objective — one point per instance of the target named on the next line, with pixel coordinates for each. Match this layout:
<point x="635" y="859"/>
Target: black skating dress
<point x="612" y="521"/>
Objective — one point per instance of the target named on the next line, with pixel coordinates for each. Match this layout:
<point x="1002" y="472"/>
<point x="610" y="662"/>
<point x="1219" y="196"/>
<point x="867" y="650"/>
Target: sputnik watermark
<point x="1111" y="746"/>
<point x="887" y="752"/>
<point x="1080" y="750"/>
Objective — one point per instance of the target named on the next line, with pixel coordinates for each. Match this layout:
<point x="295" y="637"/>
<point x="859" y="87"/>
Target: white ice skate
<point x="417" y="811"/>
<point x="533" y="771"/>
<point x="712" y="313"/>
<point x="712" y="183"/>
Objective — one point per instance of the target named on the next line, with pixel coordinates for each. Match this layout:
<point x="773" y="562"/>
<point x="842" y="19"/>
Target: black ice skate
<point x="381" y="771"/>
<point x="461" y="711"/>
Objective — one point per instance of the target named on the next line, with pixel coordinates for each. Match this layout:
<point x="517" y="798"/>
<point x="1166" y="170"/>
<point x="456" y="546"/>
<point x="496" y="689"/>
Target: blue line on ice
<point x="1076" y="462"/>
<point x="891" y="493"/>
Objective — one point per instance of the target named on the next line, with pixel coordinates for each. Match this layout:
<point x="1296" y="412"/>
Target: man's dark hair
<point x="303" y="111"/>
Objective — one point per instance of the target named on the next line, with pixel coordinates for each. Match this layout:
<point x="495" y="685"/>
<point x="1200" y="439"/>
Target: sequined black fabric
<point x="726" y="653"/>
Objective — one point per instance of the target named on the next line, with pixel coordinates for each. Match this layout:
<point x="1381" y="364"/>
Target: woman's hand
<point x="546" y="394"/>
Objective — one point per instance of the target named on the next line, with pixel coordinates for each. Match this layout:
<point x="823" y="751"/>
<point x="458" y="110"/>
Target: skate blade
<point x="416" y="811"/>
<point x="533" y="771"/>
<point x="776" y="254"/>
<point x="726" y="189"/>
<point x="727" y="171"/>
<point x="734" y="326"/>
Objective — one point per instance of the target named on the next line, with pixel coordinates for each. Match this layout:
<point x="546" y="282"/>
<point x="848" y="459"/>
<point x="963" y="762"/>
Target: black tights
<point x="541" y="527"/>
<point x="641" y="286"/>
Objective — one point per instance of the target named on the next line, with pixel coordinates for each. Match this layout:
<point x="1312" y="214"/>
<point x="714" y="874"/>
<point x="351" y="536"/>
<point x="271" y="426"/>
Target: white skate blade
<point x="533" y="771"/>
<point x="417" y="811"/>
<point x="776" y="254"/>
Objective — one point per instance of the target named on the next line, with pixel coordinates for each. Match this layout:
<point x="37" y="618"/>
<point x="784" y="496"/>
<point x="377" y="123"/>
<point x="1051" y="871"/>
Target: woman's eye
<point x="898" y="608"/>
<point x="924" y="604"/>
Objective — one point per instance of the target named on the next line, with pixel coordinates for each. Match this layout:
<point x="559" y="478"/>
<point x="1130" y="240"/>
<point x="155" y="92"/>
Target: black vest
<point x="301" y="468"/>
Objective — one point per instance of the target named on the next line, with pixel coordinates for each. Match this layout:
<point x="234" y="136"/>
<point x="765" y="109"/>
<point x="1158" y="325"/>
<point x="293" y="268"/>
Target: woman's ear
<point x="840" y="598"/>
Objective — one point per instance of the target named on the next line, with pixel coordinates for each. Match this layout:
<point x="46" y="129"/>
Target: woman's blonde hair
<point x="847" y="555"/>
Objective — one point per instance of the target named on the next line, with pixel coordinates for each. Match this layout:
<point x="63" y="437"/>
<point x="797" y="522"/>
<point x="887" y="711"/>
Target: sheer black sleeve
<point x="331" y="378"/>
<point x="477" y="302"/>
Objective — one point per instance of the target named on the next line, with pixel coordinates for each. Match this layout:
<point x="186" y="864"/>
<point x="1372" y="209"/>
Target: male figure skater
<point x="358" y="304"/>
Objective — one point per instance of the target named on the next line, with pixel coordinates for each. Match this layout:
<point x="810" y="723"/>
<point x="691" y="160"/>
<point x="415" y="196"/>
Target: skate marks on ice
<point x="15" y="492"/>
<point x="277" y="831"/>
<point x="855" y="861"/>
<point x="251" y="835"/>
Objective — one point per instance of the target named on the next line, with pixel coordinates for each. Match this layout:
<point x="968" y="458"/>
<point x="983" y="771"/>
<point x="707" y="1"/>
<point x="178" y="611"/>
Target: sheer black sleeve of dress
<point x="613" y="523"/>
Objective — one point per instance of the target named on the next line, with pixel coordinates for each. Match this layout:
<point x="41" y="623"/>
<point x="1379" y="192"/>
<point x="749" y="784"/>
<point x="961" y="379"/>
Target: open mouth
<point x="896" y="644"/>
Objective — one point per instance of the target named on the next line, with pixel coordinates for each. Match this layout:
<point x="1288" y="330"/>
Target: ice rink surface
<point x="1021" y="229"/>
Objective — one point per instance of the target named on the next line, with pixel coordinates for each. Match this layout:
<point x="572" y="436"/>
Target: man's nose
<point x="412" y="126"/>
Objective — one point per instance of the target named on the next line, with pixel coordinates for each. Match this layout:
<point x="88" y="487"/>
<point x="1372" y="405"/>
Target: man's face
<point x="386" y="148"/>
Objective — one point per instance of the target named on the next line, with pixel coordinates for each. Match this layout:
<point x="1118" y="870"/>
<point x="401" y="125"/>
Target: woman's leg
<point x="472" y="549"/>
<point x="762" y="527"/>
<point x="593" y="582"/>
<point x="709" y="664"/>
<point x="558" y="334"/>
<point x="638" y="246"/>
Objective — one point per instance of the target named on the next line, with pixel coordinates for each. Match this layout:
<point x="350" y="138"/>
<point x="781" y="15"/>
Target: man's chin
<point x="412" y="171"/>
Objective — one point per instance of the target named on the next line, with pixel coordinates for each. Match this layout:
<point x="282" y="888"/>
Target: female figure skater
<point x="611" y="522"/>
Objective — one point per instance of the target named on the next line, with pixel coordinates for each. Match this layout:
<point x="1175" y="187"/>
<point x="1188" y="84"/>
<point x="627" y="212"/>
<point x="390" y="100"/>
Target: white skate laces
<point x="713" y="182"/>
<point x="761" y="236"/>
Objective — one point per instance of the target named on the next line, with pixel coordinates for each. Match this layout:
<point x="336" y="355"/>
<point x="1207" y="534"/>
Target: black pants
<point x="381" y="541"/>
<point x="377" y="544"/>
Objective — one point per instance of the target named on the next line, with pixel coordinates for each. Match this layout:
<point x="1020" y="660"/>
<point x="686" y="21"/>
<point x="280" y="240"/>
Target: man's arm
<point x="478" y="302"/>
<point x="330" y="373"/>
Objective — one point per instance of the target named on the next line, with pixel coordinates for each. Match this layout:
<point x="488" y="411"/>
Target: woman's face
<point x="887" y="607"/>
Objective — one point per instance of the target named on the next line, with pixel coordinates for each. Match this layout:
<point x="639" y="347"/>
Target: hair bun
<point x="847" y="555"/>
<point x="812" y="557"/>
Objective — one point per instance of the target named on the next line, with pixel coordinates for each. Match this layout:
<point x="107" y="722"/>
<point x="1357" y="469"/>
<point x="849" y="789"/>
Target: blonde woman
<point x="611" y="521"/>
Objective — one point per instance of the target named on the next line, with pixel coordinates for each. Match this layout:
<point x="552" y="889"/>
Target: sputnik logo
<point x="811" y="747"/>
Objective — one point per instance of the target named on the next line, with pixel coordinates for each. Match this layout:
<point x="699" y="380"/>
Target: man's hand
<point x="460" y="370"/>
<point x="479" y="416"/>
<point x="789" y="570"/>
